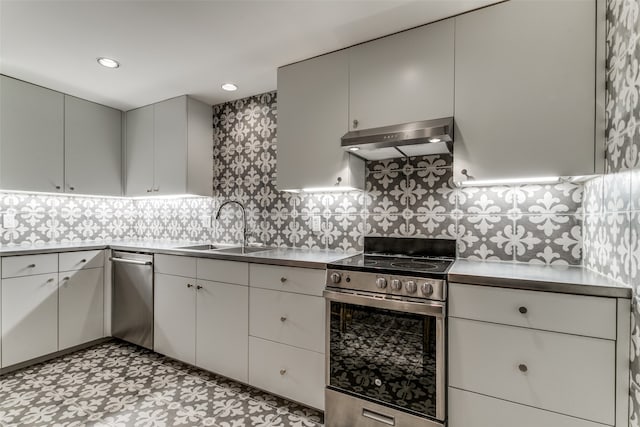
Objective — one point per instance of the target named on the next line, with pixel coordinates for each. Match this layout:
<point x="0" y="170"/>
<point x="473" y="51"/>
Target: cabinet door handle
<point x="148" y="190"/>
<point x="283" y="279"/>
<point x="72" y="188"/>
<point x="522" y="367"/>
<point x="189" y="285"/>
<point x="50" y="280"/>
<point x="57" y="187"/>
<point x="31" y="266"/>
<point x="283" y="371"/>
<point x="64" y="279"/>
<point x="198" y="287"/>
<point x="523" y="310"/>
<point x="83" y="260"/>
<point x="283" y="319"/>
<point x="355" y="123"/>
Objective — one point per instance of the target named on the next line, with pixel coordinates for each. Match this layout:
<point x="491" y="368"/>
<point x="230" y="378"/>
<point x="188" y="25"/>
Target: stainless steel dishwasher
<point x="132" y="303"/>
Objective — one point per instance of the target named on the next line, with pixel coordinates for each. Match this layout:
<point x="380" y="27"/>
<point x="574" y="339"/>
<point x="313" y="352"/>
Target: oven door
<point x="390" y="352"/>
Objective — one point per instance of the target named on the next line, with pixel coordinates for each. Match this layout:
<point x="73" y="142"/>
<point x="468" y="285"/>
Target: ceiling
<point x="171" y="48"/>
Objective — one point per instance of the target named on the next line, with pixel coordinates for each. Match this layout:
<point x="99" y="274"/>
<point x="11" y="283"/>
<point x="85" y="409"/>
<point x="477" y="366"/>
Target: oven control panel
<point x="415" y="287"/>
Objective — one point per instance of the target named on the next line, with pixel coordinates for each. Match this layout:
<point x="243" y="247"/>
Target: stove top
<point x="436" y="267"/>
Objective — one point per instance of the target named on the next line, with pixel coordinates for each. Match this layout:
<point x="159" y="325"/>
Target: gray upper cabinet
<point x="313" y="111"/>
<point x="169" y="149"/>
<point x="525" y="90"/>
<point x="139" y="151"/>
<point x="31" y="137"/>
<point x="93" y="148"/>
<point x="402" y="78"/>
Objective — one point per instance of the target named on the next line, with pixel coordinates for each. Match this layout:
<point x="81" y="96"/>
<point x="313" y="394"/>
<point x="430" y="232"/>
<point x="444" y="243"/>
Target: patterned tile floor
<point x="117" y="384"/>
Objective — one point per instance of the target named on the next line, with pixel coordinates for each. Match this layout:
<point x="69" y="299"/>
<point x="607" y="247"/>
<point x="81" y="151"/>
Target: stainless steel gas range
<point x="386" y="334"/>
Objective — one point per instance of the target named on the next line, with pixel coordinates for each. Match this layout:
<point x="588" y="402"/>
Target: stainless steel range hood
<point x="405" y="140"/>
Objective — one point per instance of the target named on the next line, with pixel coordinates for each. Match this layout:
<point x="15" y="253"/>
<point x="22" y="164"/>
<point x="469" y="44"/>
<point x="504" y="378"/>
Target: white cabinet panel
<point x="139" y="151"/>
<point x="222" y="338"/>
<point x="289" y="318"/>
<point x="80" y="260"/>
<point x="573" y="314"/>
<point x="475" y="410"/>
<point x="175" y="265"/>
<point x="81" y="307"/>
<point x="525" y="90"/>
<point x="29" y="317"/>
<point x="217" y="270"/>
<point x="287" y="371"/>
<point x="170" y="146"/>
<point x="569" y="374"/>
<point x="313" y="114"/>
<point x="31" y="137"/>
<point x="402" y="78"/>
<point x="26" y="265"/>
<point x="92" y="148"/>
<point x="174" y="325"/>
<point x="290" y="279"/>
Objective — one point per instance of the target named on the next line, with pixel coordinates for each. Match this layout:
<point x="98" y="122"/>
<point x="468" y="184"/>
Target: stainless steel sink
<point x="242" y="251"/>
<point x="204" y="247"/>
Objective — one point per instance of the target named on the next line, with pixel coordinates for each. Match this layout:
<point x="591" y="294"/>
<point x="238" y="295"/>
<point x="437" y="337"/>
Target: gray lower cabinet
<point x="31" y="137"/>
<point x="531" y="358"/>
<point x="80" y="307"/>
<point x="168" y="149"/>
<point x="527" y="90"/>
<point x="93" y="148"/>
<point x="402" y="78"/>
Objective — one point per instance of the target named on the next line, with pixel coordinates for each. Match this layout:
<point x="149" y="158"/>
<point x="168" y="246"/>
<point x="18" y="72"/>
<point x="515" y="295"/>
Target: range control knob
<point x="381" y="282"/>
<point x="427" y="289"/>
<point x="411" y="287"/>
<point x="396" y="284"/>
<point x="336" y="277"/>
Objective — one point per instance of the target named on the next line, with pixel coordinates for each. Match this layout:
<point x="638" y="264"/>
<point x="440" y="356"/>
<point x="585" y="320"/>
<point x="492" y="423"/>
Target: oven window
<point x="387" y="356"/>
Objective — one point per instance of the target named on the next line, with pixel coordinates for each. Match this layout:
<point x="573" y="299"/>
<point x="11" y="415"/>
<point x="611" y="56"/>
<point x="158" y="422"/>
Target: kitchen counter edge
<point x="575" y="280"/>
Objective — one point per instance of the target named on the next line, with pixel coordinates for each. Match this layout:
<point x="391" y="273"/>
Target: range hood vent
<point x="405" y="140"/>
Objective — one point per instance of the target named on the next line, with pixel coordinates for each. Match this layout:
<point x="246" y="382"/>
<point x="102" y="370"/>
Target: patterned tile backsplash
<point x="412" y="197"/>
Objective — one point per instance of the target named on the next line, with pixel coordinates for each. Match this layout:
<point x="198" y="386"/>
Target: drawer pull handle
<point x="283" y="371"/>
<point x="65" y="278"/>
<point x="376" y="416"/>
<point x="283" y="279"/>
<point x="189" y="285"/>
<point x="83" y="260"/>
<point x="198" y="287"/>
<point x="31" y="266"/>
<point x="523" y="310"/>
<point x="50" y="280"/>
<point x="523" y="367"/>
<point x="283" y="319"/>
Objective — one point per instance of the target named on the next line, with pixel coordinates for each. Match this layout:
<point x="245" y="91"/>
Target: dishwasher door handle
<point x="130" y="261"/>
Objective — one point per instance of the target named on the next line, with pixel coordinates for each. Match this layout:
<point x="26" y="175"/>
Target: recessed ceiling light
<point x="108" y="62"/>
<point x="354" y="148"/>
<point x="229" y="87"/>
<point x="435" y="140"/>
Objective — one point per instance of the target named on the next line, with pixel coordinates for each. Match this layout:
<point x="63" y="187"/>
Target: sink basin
<point x="204" y="247"/>
<point x="242" y="251"/>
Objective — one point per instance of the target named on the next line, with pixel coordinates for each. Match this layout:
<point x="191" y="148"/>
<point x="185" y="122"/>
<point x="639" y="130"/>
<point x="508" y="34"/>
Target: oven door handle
<point x="428" y="308"/>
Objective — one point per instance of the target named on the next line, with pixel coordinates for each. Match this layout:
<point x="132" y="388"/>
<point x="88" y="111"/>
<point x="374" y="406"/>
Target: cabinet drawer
<point x="291" y="279"/>
<point x="474" y="410"/>
<point x="69" y="261"/>
<point x="16" y="266"/>
<point x="289" y="318"/>
<point x="217" y="270"/>
<point x="175" y="265"/>
<point x="573" y="314"/>
<point x="569" y="374"/>
<point x="287" y="371"/>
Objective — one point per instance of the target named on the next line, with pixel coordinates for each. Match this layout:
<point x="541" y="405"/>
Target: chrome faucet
<point x="244" y="219"/>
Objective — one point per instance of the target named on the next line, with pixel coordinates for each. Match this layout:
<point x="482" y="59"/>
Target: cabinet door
<point x="31" y="137"/>
<point x="174" y="317"/>
<point x="139" y="152"/>
<point x="93" y="148"/>
<point x="29" y="317"/>
<point x="222" y="338"/>
<point x="402" y="78"/>
<point x="81" y="307"/>
<point x="313" y="110"/>
<point x="525" y="90"/>
<point x="170" y="146"/>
